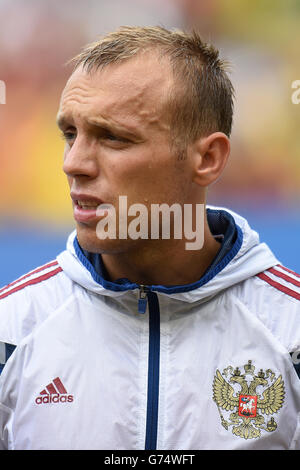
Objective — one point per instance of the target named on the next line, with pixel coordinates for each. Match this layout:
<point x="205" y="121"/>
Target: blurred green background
<point x="261" y="38"/>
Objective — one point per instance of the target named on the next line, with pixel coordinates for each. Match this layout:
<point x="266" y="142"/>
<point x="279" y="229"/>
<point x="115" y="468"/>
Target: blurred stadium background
<point x="262" y="180"/>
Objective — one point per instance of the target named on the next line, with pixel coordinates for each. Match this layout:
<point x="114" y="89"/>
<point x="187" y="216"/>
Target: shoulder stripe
<point x="289" y="270"/>
<point x="278" y="286"/>
<point x="31" y="282"/>
<point x="286" y="277"/>
<point x="31" y="273"/>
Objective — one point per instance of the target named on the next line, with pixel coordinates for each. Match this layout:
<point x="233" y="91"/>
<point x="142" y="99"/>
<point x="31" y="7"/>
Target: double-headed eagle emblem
<point x="247" y="405"/>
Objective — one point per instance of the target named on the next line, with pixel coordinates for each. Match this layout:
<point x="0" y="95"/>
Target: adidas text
<point x="55" y="398"/>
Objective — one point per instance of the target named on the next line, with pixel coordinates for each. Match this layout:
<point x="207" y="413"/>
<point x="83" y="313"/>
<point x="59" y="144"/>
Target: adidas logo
<point x="54" y="392"/>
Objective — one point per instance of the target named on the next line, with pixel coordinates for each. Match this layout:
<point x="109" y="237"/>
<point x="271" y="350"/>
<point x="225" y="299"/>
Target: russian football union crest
<point x="245" y="408"/>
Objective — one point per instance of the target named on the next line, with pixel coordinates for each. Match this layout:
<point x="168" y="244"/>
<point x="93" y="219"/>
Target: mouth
<point x="85" y="208"/>
<point x="86" y="205"/>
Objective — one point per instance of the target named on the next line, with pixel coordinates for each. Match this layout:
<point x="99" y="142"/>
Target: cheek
<point x="70" y="181"/>
<point x="66" y="150"/>
<point x="156" y="185"/>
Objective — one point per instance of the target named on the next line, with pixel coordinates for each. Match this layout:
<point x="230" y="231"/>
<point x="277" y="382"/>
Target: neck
<point x="164" y="262"/>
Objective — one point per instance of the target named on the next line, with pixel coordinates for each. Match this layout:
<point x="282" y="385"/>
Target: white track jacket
<point x="102" y="365"/>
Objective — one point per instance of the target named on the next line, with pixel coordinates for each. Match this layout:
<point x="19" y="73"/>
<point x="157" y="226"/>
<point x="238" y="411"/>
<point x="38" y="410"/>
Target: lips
<point x="85" y="207"/>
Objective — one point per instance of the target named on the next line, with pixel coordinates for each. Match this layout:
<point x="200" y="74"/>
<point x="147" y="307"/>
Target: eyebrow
<point x="104" y="124"/>
<point x="63" y="121"/>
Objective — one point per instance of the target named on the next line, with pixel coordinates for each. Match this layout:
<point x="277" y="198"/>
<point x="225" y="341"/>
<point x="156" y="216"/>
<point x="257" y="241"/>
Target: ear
<point x="209" y="156"/>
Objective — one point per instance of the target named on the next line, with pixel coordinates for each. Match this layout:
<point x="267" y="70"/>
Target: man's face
<point x="117" y="130"/>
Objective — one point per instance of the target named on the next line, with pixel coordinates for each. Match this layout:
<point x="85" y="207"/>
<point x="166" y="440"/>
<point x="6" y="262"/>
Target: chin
<point x="89" y="241"/>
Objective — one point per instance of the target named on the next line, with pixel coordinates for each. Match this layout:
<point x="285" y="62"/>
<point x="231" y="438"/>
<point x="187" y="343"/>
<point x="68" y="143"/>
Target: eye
<point x="68" y="135"/>
<point x="112" y="137"/>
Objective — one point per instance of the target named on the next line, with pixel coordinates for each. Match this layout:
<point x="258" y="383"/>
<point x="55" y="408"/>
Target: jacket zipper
<point x="142" y="301"/>
<point x="146" y="296"/>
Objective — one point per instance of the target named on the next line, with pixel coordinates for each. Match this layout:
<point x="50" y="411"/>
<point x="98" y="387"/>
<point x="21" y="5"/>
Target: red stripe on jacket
<point x="41" y="268"/>
<point x="279" y="286"/>
<point x="36" y="280"/>
<point x="284" y="276"/>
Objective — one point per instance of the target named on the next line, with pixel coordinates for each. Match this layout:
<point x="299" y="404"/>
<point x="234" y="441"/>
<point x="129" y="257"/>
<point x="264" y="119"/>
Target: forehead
<point x="137" y="88"/>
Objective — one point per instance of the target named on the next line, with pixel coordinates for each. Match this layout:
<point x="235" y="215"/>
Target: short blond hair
<point x="202" y="101"/>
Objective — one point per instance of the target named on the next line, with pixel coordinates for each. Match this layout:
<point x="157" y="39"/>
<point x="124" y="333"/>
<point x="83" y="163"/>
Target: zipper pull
<point x="142" y="301"/>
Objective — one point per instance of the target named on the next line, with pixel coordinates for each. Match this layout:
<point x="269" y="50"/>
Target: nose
<point x="80" y="159"/>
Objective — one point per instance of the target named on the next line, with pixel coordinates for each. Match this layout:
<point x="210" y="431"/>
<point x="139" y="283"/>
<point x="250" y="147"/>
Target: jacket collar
<point x="240" y="257"/>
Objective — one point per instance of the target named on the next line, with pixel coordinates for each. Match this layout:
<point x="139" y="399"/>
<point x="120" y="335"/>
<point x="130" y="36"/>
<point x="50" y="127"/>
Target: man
<point x="140" y="342"/>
